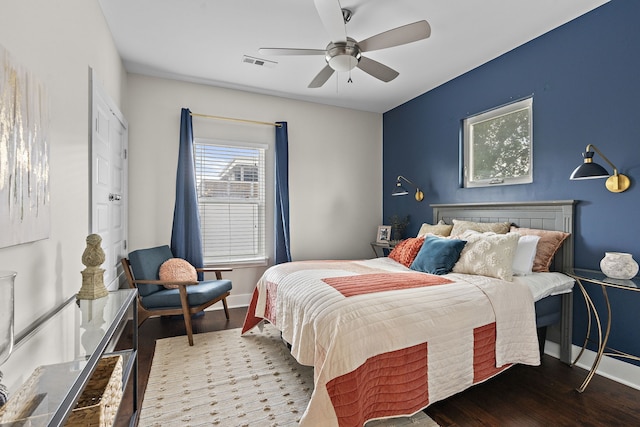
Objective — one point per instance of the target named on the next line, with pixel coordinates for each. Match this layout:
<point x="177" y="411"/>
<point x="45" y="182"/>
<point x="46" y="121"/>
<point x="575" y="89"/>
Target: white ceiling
<point x="204" y="41"/>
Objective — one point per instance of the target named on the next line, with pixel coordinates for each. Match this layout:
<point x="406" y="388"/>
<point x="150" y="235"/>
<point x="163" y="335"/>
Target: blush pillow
<point x="405" y="251"/>
<point x="437" y="255"/>
<point x="549" y="243"/>
<point x="177" y="270"/>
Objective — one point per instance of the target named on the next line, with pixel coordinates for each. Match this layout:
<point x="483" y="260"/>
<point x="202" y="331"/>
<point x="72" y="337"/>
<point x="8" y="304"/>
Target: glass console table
<point x="90" y="328"/>
<point x="598" y="278"/>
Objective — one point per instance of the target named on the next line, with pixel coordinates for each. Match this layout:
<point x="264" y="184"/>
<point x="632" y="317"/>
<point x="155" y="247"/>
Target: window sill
<point x="237" y="264"/>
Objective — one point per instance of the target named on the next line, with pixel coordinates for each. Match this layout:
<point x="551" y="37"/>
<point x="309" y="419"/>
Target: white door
<point x="109" y="138"/>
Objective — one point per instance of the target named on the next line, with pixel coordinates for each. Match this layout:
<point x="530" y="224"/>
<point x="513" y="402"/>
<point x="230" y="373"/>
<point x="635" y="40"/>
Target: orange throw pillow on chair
<point x="177" y="269"/>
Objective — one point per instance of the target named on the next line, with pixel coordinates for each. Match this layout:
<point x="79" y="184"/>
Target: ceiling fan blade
<point x="377" y="70"/>
<point x="330" y="13"/>
<point x="397" y="36"/>
<point x="287" y="51"/>
<point x="321" y="78"/>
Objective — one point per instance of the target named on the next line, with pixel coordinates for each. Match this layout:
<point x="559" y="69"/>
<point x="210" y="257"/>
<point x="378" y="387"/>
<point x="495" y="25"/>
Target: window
<point x="498" y="146"/>
<point x="230" y="181"/>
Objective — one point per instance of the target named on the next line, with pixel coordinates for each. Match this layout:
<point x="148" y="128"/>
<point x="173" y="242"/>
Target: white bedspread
<point x="337" y="334"/>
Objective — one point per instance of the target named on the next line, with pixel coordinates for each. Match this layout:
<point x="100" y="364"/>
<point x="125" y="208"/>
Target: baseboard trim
<point x="610" y="367"/>
<point x="233" y="301"/>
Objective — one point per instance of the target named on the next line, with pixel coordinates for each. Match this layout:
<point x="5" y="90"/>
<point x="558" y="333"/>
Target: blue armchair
<point x="190" y="297"/>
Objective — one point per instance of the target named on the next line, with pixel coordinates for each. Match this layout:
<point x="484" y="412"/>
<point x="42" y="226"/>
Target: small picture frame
<point x="384" y="234"/>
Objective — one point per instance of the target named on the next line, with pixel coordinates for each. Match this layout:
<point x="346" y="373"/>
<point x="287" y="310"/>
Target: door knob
<point x="115" y="197"/>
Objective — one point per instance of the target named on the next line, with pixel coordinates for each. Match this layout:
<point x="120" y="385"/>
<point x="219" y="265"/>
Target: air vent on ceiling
<point x="258" y="61"/>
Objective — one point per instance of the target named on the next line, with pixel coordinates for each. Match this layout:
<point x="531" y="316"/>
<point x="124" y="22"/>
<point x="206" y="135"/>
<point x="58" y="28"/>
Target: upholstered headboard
<point x="552" y="215"/>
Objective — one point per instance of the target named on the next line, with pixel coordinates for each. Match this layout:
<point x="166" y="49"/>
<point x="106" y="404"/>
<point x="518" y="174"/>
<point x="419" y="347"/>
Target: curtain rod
<point x="235" y="120"/>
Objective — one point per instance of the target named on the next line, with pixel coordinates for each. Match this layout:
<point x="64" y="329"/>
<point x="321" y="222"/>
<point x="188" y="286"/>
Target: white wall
<point x="57" y="41"/>
<point x="335" y="161"/>
<point x="335" y="166"/>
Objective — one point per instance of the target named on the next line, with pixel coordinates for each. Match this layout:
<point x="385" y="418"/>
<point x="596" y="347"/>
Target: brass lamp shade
<point x="615" y="183"/>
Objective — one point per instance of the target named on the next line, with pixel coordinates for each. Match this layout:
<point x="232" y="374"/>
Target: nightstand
<point x="382" y="249"/>
<point x="599" y="278"/>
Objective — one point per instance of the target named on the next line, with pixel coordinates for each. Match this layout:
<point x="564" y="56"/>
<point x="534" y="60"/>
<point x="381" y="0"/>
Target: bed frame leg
<point x="542" y="337"/>
<point x="566" y="328"/>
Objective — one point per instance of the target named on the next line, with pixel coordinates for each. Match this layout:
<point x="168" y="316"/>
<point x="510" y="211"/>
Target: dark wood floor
<point x="523" y="396"/>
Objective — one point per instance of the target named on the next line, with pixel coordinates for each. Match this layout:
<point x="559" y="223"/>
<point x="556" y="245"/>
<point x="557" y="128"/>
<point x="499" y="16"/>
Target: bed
<point x="387" y="341"/>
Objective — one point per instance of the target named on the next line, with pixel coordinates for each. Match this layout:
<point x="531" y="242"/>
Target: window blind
<point x="230" y="181"/>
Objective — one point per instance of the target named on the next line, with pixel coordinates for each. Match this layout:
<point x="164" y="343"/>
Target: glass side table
<point x="382" y="249"/>
<point x="599" y="278"/>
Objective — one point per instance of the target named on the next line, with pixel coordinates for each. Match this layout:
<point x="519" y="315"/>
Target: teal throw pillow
<point x="438" y="255"/>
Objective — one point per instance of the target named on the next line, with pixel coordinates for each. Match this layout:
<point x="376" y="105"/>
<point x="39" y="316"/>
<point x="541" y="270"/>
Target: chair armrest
<point x="218" y="271"/>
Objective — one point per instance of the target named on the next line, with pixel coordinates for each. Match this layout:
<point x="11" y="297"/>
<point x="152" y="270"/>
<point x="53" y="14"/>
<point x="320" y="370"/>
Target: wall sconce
<point x="616" y="183"/>
<point x="401" y="191"/>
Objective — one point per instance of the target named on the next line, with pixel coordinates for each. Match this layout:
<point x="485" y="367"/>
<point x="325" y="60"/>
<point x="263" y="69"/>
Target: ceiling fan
<point x="344" y="53"/>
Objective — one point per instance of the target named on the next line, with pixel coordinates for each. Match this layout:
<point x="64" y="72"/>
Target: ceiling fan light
<point x="342" y="63"/>
<point x="343" y="56"/>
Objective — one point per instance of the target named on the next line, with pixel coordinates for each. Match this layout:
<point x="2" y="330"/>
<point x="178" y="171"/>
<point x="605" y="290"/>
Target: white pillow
<point x="545" y="284"/>
<point x="525" y="254"/>
<point x="487" y="254"/>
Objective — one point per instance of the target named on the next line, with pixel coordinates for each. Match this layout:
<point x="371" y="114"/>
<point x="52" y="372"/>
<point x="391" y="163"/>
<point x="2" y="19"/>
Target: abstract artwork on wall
<point x="24" y="155"/>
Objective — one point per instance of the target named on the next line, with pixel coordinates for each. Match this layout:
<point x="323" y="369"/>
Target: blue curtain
<point x="186" y="241"/>
<point x="282" y="249"/>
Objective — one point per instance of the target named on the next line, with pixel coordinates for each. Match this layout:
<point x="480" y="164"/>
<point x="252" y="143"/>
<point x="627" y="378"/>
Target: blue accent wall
<point x="585" y="80"/>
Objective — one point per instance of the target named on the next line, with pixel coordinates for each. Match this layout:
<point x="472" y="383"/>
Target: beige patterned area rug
<point x="227" y="380"/>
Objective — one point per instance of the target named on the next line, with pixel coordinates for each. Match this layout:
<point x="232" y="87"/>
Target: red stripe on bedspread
<point x="250" y="321"/>
<point x="484" y="353"/>
<point x="385" y="385"/>
<point x="379" y="282"/>
<point x="397" y="383"/>
<point x="272" y="296"/>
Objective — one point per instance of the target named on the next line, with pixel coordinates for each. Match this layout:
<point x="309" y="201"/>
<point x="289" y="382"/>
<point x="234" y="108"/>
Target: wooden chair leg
<point x="226" y="309"/>
<point x="186" y="313"/>
<point x="142" y="315"/>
